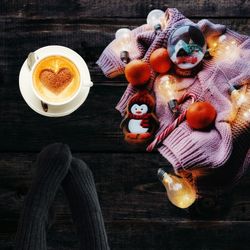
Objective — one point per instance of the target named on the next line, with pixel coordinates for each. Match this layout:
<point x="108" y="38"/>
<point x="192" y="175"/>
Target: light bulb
<point x="180" y="192"/>
<point x="246" y="115"/>
<point x="124" y="43"/>
<point x="224" y="48"/>
<point x="166" y="85"/>
<point x="237" y="98"/>
<point x="215" y="45"/>
<point x="156" y="19"/>
<point x="222" y="38"/>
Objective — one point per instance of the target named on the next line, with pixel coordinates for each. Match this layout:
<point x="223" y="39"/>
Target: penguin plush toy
<point x="140" y="122"/>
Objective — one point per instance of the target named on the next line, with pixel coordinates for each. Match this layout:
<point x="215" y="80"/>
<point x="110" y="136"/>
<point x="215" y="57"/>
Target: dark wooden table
<point x="136" y="211"/>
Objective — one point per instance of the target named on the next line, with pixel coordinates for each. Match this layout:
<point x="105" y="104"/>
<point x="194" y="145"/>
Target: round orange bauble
<point x="160" y="61"/>
<point x="137" y="72"/>
<point x="201" y="115"/>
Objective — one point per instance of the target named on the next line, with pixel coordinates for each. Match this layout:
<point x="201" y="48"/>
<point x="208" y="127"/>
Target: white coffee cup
<point x="55" y="50"/>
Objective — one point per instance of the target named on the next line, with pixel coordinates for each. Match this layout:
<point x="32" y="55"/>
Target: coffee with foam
<point x="56" y="79"/>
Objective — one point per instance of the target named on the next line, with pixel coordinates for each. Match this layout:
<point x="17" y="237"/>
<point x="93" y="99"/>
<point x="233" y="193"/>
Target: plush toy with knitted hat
<point x="140" y="122"/>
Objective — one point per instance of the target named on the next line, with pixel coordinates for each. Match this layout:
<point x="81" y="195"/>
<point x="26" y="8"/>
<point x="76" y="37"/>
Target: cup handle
<point x="87" y="84"/>
<point x="31" y="60"/>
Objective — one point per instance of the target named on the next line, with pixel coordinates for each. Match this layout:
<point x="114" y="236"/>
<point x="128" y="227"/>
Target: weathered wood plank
<point x="95" y="124"/>
<point x="155" y="235"/>
<point x="112" y="8"/>
<point x="87" y="39"/>
<point x="19" y="37"/>
<point x="127" y="185"/>
<point x="136" y="212"/>
<point x="93" y="127"/>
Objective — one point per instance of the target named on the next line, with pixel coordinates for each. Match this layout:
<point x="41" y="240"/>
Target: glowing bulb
<point x="166" y="85"/>
<point x="124" y="34"/>
<point x="237" y="98"/>
<point x="222" y="38"/>
<point x="246" y="115"/>
<point x="180" y="192"/>
<point x="156" y="19"/>
<point x="124" y="43"/>
<point x="224" y="48"/>
<point x="241" y="99"/>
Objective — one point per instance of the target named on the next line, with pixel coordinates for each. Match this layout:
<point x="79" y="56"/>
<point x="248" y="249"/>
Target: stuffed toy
<point x="140" y="122"/>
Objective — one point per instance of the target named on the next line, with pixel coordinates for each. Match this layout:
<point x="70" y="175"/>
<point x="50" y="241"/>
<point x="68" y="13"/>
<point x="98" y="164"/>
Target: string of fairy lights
<point x="224" y="49"/>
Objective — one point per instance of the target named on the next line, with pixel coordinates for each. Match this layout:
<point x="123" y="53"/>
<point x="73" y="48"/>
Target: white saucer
<point x="53" y="111"/>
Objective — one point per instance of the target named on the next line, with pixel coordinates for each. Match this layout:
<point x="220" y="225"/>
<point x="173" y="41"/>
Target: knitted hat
<point x="142" y="97"/>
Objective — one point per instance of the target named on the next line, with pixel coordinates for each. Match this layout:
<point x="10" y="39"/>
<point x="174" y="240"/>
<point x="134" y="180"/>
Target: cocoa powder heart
<point x="56" y="82"/>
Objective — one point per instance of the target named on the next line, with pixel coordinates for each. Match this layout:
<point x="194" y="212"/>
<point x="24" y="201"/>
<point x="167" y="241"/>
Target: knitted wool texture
<point x="55" y="167"/>
<point x="222" y="151"/>
<point x="79" y="187"/>
<point x="52" y="166"/>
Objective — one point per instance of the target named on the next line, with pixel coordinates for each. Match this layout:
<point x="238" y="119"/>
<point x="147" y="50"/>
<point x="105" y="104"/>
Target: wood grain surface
<point x="136" y="211"/>
<point x="137" y="214"/>
<point x="128" y="9"/>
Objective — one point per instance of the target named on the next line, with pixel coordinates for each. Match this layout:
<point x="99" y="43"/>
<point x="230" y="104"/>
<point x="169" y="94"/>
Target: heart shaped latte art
<point x="56" y="82"/>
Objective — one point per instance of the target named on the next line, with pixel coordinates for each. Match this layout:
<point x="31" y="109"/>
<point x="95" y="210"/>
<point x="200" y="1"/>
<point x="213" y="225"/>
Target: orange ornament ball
<point x="160" y="61"/>
<point x="137" y="72"/>
<point x="201" y="115"/>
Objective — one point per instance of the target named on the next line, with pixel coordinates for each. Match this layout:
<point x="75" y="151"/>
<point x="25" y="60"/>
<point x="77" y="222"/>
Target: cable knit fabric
<point x="203" y="153"/>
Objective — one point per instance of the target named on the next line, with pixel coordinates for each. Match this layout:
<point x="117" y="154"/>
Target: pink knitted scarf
<point x="216" y="158"/>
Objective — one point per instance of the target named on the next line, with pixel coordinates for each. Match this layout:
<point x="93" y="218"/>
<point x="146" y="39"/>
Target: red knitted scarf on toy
<point x="139" y="117"/>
